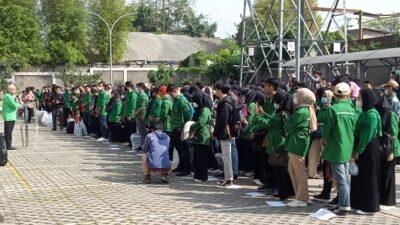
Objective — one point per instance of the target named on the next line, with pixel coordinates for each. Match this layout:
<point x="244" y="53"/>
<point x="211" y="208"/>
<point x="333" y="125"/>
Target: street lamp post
<point x="110" y="30"/>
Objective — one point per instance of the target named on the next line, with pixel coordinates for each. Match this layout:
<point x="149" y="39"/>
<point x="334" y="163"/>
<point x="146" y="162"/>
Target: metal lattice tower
<point x="297" y="23"/>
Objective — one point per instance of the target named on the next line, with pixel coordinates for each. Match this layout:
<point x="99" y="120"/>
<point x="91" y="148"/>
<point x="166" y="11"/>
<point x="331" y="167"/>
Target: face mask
<point x="318" y="86"/>
<point x="276" y="106"/>
<point x="195" y="105"/>
<point x="359" y="103"/>
<point x="324" y="100"/>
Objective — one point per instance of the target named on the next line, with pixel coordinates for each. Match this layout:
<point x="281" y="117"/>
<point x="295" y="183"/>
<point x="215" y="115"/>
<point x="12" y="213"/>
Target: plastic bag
<point x="80" y="129"/>
<point x="135" y="140"/>
<point x="175" y="159"/>
<point x="353" y="169"/>
<point x="47" y="119"/>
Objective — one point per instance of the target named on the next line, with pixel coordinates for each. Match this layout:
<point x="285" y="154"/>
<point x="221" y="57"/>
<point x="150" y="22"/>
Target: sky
<point x="227" y="13"/>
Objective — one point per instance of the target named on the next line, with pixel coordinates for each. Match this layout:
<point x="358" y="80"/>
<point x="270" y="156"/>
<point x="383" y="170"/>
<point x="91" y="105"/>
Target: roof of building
<point x="166" y="48"/>
<point x="349" y="57"/>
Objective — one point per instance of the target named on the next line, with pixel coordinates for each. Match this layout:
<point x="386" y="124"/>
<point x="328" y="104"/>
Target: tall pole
<point x="281" y="8"/>
<point x="298" y="39"/>
<point x="242" y="43"/>
<point x="110" y="31"/>
<point x="346" y="44"/>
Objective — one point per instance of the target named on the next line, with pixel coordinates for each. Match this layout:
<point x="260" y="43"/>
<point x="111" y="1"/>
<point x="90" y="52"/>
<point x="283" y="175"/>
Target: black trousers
<point x="129" y="129"/>
<point x="327" y="188"/>
<point x="200" y="161"/>
<point x="183" y="150"/>
<point x="8" y="129"/>
<point x="115" y="132"/>
<point x="388" y="182"/>
<point x="282" y="181"/>
<point x="246" y="154"/>
<point x="66" y="114"/>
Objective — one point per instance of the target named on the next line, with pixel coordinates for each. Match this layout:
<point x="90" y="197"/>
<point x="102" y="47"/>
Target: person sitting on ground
<point x="156" y="154"/>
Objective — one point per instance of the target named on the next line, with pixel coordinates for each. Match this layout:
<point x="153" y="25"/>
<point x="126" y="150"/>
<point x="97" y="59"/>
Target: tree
<point x="172" y="17"/>
<point x="70" y="74"/>
<point x="110" y="10"/>
<point x="162" y="76"/>
<point x="65" y="31"/>
<point x="223" y="63"/>
<point x="386" y="25"/>
<point x="20" y="41"/>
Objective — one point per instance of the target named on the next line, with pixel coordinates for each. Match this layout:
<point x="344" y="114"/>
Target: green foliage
<point x="110" y="10"/>
<point x="361" y="47"/>
<point x="198" y="59"/>
<point x="5" y="73"/>
<point x="223" y="63"/>
<point x="71" y="75"/>
<point x="66" y="31"/>
<point x="172" y="17"/>
<point x="20" y="42"/>
<point x="386" y="25"/>
<point x="191" y="80"/>
<point x="162" y="76"/>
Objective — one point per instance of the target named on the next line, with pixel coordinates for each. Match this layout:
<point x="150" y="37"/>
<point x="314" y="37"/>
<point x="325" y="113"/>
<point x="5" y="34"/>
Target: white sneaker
<point x="297" y="203"/>
<point x="101" y="139"/>
<point x="197" y="180"/>
<point x="387" y="208"/>
<point x="360" y="212"/>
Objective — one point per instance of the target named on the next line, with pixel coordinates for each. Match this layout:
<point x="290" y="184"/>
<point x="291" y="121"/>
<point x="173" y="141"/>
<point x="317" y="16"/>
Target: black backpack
<point x="237" y="120"/>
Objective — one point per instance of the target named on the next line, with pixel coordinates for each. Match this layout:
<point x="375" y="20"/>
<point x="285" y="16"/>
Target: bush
<point x="161" y="76"/>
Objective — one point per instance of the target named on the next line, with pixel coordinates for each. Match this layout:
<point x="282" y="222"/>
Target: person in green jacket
<point x="166" y="109"/>
<point x="338" y="135"/>
<point x="128" y="113"/>
<point x="156" y="104"/>
<point x="276" y="139"/>
<point x="298" y="128"/>
<point x="114" y="112"/>
<point x="86" y="109"/>
<point x="102" y="101"/>
<point x="180" y="114"/>
<point x="140" y="113"/>
<point x="364" y="191"/>
<point x="10" y="107"/>
<point x="67" y="104"/>
<point x="202" y="135"/>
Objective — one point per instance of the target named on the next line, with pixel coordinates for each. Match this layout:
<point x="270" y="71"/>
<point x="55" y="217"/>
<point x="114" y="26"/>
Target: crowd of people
<point x="281" y="135"/>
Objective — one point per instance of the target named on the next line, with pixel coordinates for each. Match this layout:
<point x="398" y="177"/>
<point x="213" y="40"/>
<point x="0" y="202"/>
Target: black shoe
<point x="138" y="149"/>
<point x="322" y="198"/>
<point x="333" y="203"/>
<point x="183" y="174"/>
<point x="263" y="188"/>
<point x="54" y="129"/>
<point x="12" y="148"/>
<point x="235" y="177"/>
<point x="339" y="212"/>
<point x="225" y="183"/>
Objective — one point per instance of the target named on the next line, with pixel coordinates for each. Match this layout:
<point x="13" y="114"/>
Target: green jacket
<point x="165" y="114"/>
<point x="115" y="114"/>
<point x="338" y="132"/>
<point x="67" y="100"/>
<point x="368" y="126"/>
<point x="86" y="101"/>
<point x="141" y="104"/>
<point x="298" y="130"/>
<point x="268" y="106"/>
<point x="130" y="104"/>
<point x="180" y="112"/>
<point x="251" y="122"/>
<point x="276" y="136"/>
<point x="74" y="106"/>
<point x="395" y="133"/>
<point x="10" y="108"/>
<point x="201" y="129"/>
<point x="156" y="108"/>
<point x="102" y="101"/>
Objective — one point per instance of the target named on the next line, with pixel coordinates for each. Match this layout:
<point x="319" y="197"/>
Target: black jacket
<point x="224" y="111"/>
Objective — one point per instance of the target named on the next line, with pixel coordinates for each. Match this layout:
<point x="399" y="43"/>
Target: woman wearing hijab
<point x="298" y="129"/>
<point x="202" y="135"/>
<point x="275" y="146"/>
<point x="114" y="111"/>
<point x="390" y="149"/>
<point x="364" y="189"/>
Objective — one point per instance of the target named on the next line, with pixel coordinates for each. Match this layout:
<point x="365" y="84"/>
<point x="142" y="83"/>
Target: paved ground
<point x="62" y="179"/>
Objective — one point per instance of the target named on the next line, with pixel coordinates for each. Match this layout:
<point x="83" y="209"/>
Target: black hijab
<point x="285" y="102"/>
<point x="203" y="101"/>
<point x="369" y="99"/>
<point x="113" y="101"/>
<point x="385" y="111"/>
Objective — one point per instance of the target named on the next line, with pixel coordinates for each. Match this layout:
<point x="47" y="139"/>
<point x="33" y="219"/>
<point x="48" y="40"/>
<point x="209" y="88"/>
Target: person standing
<point x="67" y="105"/>
<point x="102" y="101"/>
<point x="140" y="113"/>
<point x="57" y="103"/>
<point x="86" y="111"/>
<point x="114" y="111"/>
<point x="181" y="113"/>
<point x="10" y="107"/>
<point x="222" y="130"/>
<point x="338" y="135"/>
<point x="129" y="109"/>
<point x="202" y="135"/>
<point x="166" y="109"/>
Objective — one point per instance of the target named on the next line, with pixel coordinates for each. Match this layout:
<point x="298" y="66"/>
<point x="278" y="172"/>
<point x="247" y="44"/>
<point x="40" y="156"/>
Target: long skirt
<point x="246" y="154"/>
<point x="364" y="192"/>
<point x="200" y="161"/>
<point x="115" y="132"/>
<point x="282" y="181"/>
<point x="388" y="182"/>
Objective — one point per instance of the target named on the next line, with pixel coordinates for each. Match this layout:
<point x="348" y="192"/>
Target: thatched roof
<point x="165" y="47"/>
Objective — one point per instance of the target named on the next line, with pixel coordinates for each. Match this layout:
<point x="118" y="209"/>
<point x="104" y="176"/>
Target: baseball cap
<point x="342" y="89"/>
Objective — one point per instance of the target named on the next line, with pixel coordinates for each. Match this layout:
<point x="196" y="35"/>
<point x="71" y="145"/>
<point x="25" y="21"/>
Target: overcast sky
<point x="227" y="12"/>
